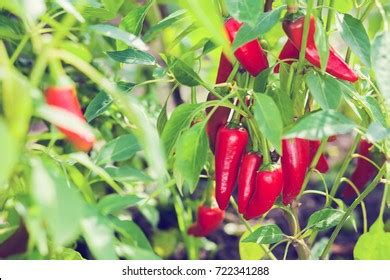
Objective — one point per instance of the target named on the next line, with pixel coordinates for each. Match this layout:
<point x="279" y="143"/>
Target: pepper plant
<point x="148" y="129"/>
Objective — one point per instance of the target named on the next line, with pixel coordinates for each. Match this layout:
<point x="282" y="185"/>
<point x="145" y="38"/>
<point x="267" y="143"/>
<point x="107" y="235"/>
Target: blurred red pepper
<point x="269" y="184"/>
<point x="250" y="55"/>
<point x="221" y="115"/>
<point x="295" y="161"/>
<point x="208" y="220"/>
<point x="250" y="164"/>
<point x="364" y="171"/>
<point x="322" y="164"/>
<point x="230" y="146"/>
<point x="336" y="66"/>
<point x="65" y="97"/>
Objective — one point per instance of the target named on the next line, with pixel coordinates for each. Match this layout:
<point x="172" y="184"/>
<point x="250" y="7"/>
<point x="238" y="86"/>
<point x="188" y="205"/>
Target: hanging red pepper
<point x="230" y="146"/>
<point x="65" y="97"/>
<point x="295" y="161"/>
<point x="250" y="164"/>
<point x="208" y="220"/>
<point x="289" y="54"/>
<point x="221" y="115"/>
<point x="269" y="184"/>
<point x="322" y="164"/>
<point x="336" y="66"/>
<point x="364" y="170"/>
<point x="250" y="55"/>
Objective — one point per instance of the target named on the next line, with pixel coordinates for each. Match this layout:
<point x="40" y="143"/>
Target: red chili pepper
<point x="336" y="66"/>
<point x="65" y="97"/>
<point x="295" y="161"/>
<point x="250" y="164"/>
<point x="322" y="164"/>
<point x="208" y="220"/>
<point x="364" y="170"/>
<point x="289" y="54"/>
<point x="251" y="56"/>
<point x="221" y="115"/>
<point x="231" y="143"/>
<point x="269" y="184"/>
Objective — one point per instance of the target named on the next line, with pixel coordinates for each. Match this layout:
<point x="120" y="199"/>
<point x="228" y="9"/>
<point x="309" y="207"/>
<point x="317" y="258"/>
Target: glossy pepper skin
<point x="251" y="56"/>
<point x="289" y="54"/>
<point x="221" y="115"/>
<point x="208" y="220"/>
<point x="364" y="170"/>
<point x="250" y="164"/>
<point x="295" y="161"/>
<point x="231" y="143"/>
<point x="269" y="184"/>
<point x="336" y="66"/>
<point x="322" y="164"/>
<point x="65" y="97"/>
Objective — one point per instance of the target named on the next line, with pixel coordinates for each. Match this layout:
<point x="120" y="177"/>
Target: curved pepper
<point x="208" y="220"/>
<point x="250" y="164"/>
<point x="231" y="143"/>
<point x="269" y="184"/>
<point x="295" y="161"/>
<point x="250" y="55"/>
<point x="336" y="66"/>
<point x="289" y="54"/>
<point x="65" y="97"/>
<point x="364" y="170"/>
<point x="221" y="115"/>
<point x="322" y="164"/>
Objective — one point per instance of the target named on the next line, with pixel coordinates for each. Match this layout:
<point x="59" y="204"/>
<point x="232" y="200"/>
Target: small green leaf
<point x="180" y="119"/>
<point x="353" y="33"/>
<point x="264" y="23"/>
<point x="183" y="73"/>
<point x="126" y="174"/>
<point x="322" y="43"/>
<point x="245" y="10"/>
<point x="269" y="120"/>
<point x="115" y="202"/>
<point x="377" y="132"/>
<point x="318" y="248"/>
<point x="165" y="242"/>
<point x="119" y="149"/>
<point x="132" y="56"/>
<point x="249" y="251"/>
<point x="97" y="106"/>
<point x="325" y="219"/>
<point x="134" y="19"/>
<point x="162" y="119"/>
<point x="325" y="90"/>
<point x="191" y="154"/>
<point x="268" y="234"/>
<point x="261" y="80"/>
<point x="318" y="125"/>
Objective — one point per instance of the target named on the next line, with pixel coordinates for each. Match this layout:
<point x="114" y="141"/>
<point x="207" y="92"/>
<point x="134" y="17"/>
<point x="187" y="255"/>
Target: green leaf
<point x="60" y="205"/>
<point x="180" y="119"/>
<point x="353" y="33"/>
<point x="264" y="23"/>
<point x="126" y="174"/>
<point x="183" y="73"/>
<point x="9" y="153"/>
<point x="249" y="251"/>
<point x="162" y="119"/>
<point x="322" y="43"/>
<point x="245" y="10"/>
<point x="99" y="236"/>
<point x="325" y="219"/>
<point x="119" y="149"/>
<point x="261" y="80"/>
<point x="206" y="14"/>
<point x="163" y="24"/>
<point x="134" y="20"/>
<point x="373" y="245"/>
<point x="269" y="120"/>
<point x="284" y="103"/>
<point x="342" y="6"/>
<point x="165" y="242"/>
<point x="112" y="5"/>
<point x="377" y="132"/>
<point x="268" y="234"/>
<point x="318" y="125"/>
<point x="325" y="90"/>
<point x="77" y="49"/>
<point x="132" y="56"/>
<point x="191" y="154"/>
<point x="318" y="248"/>
<point x="381" y="62"/>
<point x="114" y="202"/>
<point x="114" y="32"/>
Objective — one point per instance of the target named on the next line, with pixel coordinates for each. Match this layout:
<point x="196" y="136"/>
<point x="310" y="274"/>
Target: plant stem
<point x="349" y="211"/>
<point x="305" y="34"/>
<point x="331" y="14"/>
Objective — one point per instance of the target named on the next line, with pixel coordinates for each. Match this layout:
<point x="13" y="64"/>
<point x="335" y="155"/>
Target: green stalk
<point x="331" y="14"/>
<point x="349" y="211"/>
<point x="305" y="34"/>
